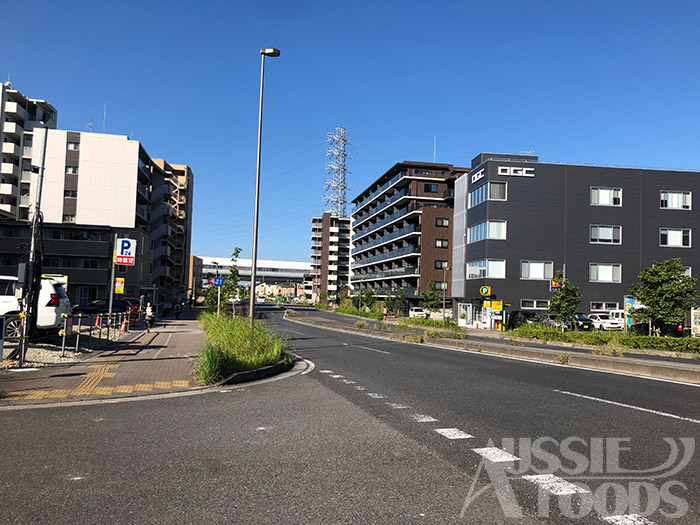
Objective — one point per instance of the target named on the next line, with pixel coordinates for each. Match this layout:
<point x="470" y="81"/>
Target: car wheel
<point x="13" y="328"/>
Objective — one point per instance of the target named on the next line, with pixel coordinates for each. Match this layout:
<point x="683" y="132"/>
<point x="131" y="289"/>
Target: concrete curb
<point x="258" y="373"/>
<point x="681" y="372"/>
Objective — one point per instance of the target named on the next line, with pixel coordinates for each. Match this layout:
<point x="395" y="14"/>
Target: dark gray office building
<point x="518" y="221"/>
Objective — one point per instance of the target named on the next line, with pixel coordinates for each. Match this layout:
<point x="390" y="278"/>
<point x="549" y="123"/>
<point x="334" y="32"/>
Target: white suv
<point x="52" y="302"/>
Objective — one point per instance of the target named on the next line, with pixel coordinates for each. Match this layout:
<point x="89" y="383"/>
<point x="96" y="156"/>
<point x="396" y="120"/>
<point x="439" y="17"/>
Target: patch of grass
<point x="403" y="326"/>
<point x="432" y="333"/>
<point x="233" y="346"/>
<point x="383" y="326"/>
<point x="413" y="338"/>
<point x="432" y="323"/>
<point x="360" y="324"/>
<point x="564" y="358"/>
<point x="322" y="307"/>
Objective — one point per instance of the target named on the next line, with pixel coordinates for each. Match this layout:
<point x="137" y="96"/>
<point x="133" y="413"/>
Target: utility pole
<point x="31" y="277"/>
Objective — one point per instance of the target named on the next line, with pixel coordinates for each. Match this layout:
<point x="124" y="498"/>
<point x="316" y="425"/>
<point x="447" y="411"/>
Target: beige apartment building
<point x="330" y="255"/>
<point x="19" y="117"/>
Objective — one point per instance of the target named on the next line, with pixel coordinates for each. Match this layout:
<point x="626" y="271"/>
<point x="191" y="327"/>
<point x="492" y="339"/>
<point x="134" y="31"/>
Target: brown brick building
<point x="402" y="231"/>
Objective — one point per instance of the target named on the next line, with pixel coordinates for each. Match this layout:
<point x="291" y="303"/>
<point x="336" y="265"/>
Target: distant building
<point x="402" y="231"/>
<point x="194" y="279"/>
<point x="19" y="116"/>
<point x="330" y="255"/>
<point x="267" y="271"/>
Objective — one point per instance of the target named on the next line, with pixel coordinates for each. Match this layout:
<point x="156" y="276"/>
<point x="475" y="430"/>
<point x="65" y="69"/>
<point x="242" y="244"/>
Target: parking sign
<point x="125" y="253"/>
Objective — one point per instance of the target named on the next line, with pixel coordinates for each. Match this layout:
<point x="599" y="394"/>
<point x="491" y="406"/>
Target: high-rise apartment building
<point x="402" y="231"/>
<point x="330" y="256"/>
<point x="19" y="116"/>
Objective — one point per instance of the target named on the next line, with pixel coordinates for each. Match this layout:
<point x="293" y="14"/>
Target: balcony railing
<point x="381" y="189"/>
<point x="391" y="200"/>
<point x="406" y="250"/>
<point x="406" y="291"/>
<point x="386" y="274"/>
<point x="386" y="238"/>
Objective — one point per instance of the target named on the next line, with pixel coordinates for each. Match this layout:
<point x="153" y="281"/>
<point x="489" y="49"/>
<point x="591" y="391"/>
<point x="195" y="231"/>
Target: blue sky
<point x="591" y="82"/>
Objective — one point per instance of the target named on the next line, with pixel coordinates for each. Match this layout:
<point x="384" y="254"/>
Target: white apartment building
<point x="19" y="116"/>
<point x="330" y="255"/>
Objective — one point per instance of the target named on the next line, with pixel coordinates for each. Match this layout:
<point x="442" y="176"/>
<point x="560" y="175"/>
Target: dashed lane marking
<point x="349" y="382"/>
<point x="495" y="455"/>
<point x="453" y="433"/>
<point x="373" y="349"/>
<point x="641" y="409"/>
<point x="397" y="406"/>
<point x="326" y="371"/>
<point x="422" y="418"/>
<point x="629" y="519"/>
<point x="376" y="396"/>
<point x="337" y="376"/>
<point x="555" y="485"/>
<point x="360" y="388"/>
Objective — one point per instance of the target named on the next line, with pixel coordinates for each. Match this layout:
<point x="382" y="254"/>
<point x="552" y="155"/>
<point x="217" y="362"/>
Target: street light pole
<point x="218" y="288"/>
<point x="444" y="289"/>
<point x="269" y="52"/>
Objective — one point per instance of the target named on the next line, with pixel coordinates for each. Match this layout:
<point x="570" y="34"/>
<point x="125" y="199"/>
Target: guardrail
<point x="108" y="327"/>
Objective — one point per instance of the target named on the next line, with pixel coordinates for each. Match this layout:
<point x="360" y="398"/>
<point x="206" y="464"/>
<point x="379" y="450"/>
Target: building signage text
<point x="478" y="175"/>
<point x="516" y="171"/>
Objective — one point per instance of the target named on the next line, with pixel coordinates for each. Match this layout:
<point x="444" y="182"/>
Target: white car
<point x="417" y="311"/>
<point x="52" y="302"/>
<point x="604" y="321"/>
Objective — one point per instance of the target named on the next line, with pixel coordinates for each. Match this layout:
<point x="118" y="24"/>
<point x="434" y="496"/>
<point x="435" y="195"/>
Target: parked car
<point x="520" y="317"/>
<point x="604" y="321"/>
<point x="417" y="311"/>
<point x="550" y="319"/>
<point x="579" y="321"/>
<point x="101" y="306"/>
<point x="51" y="304"/>
<point x="666" y="330"/>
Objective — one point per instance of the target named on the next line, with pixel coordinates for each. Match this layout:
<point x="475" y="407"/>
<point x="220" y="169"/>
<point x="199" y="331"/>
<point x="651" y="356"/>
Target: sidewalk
<point x="155" y="362"/>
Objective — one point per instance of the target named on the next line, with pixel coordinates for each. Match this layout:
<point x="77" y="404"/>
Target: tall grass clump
<point x="232" y="346"/>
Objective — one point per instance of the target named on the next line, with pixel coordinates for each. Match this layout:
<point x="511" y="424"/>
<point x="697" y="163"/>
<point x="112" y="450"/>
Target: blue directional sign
<point x="219" y="281"/>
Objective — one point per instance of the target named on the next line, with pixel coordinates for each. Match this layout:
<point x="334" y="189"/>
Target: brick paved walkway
<point x="159" y="361"/>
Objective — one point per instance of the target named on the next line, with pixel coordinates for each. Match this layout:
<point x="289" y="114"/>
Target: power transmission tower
<point x="336" y="167"/>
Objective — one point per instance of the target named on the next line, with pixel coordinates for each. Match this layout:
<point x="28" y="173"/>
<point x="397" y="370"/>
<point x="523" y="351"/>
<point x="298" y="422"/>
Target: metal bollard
<point x="77" y="337"/>
<point x="62" y="333"/>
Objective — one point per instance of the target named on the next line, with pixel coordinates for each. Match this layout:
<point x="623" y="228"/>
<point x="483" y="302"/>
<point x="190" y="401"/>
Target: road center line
<point x="422" y="418"/>
<point x="641" y="409"/>
<point x="629" y="519"/>
<point x="495" y="455"/>
<point x="555" y="485"/>
<point x="373" y="349"/>
<point x="453" y="433"/>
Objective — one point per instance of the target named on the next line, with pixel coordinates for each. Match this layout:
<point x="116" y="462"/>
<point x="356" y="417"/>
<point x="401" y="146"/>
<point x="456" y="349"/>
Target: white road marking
<point x="167" y="341"/>
<point x="224" y="391"/>
<point x="373" y="349"/>
<point x="376" y="396"/>
<point x="75" y="478"/>
<point x="495" y="455"/>
<point x="260" y="428"/>
<point x="327" y="371"/>
<point x="397" y="406"/>
<point x="629" y="519"/>
<point x="345" y="344"/>
<point x="665" y="414"/>
<point x="155" y="356"/>
<point x="22" y="369"/>
<point x="360" y="388"/>
<point x="337" y="376"/>
<point x="349" y="382"/>
<point x="453" y="433"/>
<point x="294" y="331"/>
<point x="555" y="485"/>
<point x="310" y="365"/>
<point x="422" y="418"/>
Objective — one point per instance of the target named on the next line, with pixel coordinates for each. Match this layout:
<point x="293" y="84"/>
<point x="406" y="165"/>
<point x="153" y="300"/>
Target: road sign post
<point x="218" y="282"/>
<point x="124" y="254"/>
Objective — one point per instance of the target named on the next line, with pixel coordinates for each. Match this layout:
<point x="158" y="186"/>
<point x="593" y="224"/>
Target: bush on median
<point x="232" y="346"/>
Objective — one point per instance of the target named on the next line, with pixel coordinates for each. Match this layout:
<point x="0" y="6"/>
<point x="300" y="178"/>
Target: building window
<point x="536" y="270"/>
<point x="534" y="304"/>
<point x="440" y="265"/>
<point x="121" y="268"/>
<point x="487" y="230"/>
<point x="491" y="268"/>
<point x="71" y="170"/>
<point x="604" y="234"/>
<point x="90" y="264"/>
<point x="604" y="306"/>
<point x="441" y="243"/>
<point x="674" y="237"/>
<point x="494" y="191"/>
<point x="73" y="146"/>
<point x="69" y="218"/>
<point x="54" y="262"/>
<point x="430" y="188"/>
<point x="605" y="273"/>
<point x="442" y="223"/>
<point x="87" y="294"/>
<point x="606" y="196"/>
<point x="440" y="285"/>
<point x="676" y="200"/>
<point x="71" y="194"/>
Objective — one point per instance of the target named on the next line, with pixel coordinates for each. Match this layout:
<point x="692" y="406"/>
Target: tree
<point x="565" y="300"/>
<point x="228" y="289"/>
<point x="432" y="300"/>
<point x="666" y="291"/>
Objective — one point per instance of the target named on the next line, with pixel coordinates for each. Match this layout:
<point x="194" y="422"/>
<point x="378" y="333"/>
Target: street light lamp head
<point x="270" y="52"/>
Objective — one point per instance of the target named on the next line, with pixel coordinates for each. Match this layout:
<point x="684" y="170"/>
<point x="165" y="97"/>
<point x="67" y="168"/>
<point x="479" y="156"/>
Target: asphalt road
<point x="355" y="440"/>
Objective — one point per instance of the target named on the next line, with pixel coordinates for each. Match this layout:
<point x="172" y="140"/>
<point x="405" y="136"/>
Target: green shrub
<point x="432" y="333"/>
<point x="321" y="306"/>
<point x="403" y="326"/>
<point x="233" y="346"/>
<point x="448" y="323"/>
<point x="413" y="338"/>
<point x="360" y="324"/>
